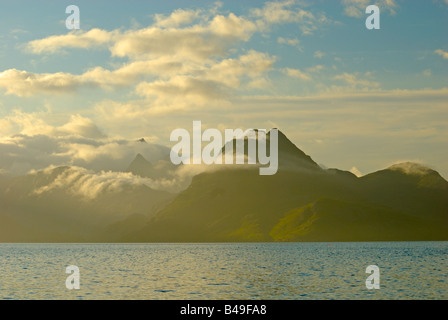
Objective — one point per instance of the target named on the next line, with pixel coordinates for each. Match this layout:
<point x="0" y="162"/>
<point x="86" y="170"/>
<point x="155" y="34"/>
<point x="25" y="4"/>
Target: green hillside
<point x="303" y="202"/>
<point x="230" y="203"/>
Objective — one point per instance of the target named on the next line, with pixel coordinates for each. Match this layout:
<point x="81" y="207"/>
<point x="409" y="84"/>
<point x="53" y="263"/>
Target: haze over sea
<point x="280" y="271"/>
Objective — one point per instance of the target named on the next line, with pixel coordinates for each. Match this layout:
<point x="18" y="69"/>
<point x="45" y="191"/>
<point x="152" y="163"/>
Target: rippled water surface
<point x="408" y="270"/>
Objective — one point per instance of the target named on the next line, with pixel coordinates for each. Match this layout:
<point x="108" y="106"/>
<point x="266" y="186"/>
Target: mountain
<point x="225" y="203"/>
<point x="66" y="204"/>
<point x="288" y="154"/>
<point x="304" y="202"/>
<point x="142" y="167"/>
<point x="333" y="220"/>
<point x="410" y="187"/>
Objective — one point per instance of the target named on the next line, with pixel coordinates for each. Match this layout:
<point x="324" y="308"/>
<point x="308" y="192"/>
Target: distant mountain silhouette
<point x="301" y="202"/>
<point x="304" y="202"/>
<point x="142" y="167"/>
<point x="288" y="153"/>
<point x="63" y="205"/>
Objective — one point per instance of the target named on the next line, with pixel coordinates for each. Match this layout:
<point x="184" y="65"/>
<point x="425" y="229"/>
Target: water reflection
<point x="225" y="271"/>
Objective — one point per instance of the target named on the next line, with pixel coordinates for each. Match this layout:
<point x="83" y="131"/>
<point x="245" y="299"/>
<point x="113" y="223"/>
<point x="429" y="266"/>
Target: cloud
<point x="411" y="168"/>
<point x="180" y="61"/>
<point x="194" y="63"/>
<point x="318" y="54"/>
<point x="370" y="127"/>
<point x="33" y="124"/>
<point x="356" y="172"/>
<point x="77" y="39"/>
<point x="353" y="11"/>
<point x="210" y="86"/>
<point x="273" y="13"/>
<point x="260" y="84"/>
<point x="78" y="142"/>
<point x="354" y="81"/>
<point x="231" y="72"/>
<point x="23" y="83"/>
<point x="22" y="153"/>
<point x="177" y="18"/>
<point x="280" y="12"/>
<point x="291" y="42"/>
<point x="357" y="8"/>
<point x="345" y="119"/>
<point x="196" y="42"/>
<point x="89" y="185"/>
<point x="442" y="53"/>
<point x="204" y="80"/>
<point x="181" y="92"/>
<point x="186" y="34"/>
<point x="316" y="69"/>
<point x="296" y="73"/>
<point x="79" y="126"/>
<point x="427" y="72"/>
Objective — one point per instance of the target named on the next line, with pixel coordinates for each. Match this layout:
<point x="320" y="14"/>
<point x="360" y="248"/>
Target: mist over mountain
<point x="143" y="168"/>
<point x="23" y="153"/>
<point x="66" y="204"/>
<point x="301" y="202"/>
<point x="304" y="202"/>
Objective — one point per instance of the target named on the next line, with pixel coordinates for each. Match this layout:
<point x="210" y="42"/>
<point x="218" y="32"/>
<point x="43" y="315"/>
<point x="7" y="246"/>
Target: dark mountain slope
<point x="237" y="204"/>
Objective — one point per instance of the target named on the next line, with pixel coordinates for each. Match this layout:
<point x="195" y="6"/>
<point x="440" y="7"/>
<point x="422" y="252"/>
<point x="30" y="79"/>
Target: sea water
<point x="272" y="271"/>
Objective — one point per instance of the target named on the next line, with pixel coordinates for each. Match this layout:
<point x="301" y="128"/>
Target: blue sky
<point x="350" y="97"/>
<point x="405" y="45"/>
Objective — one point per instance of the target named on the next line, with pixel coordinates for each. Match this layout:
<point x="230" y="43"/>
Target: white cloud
<point x="440" y="52"/>
<point x="77" y="39"/>
<point x="353" y="11"/>
<point x="90" y="185"/>
<point x="357" y="8"/>
<point x="316" y="69"/>
<point x="177" y="18"/>
<point x="208" y="86"/>
<point x="296" y="73"/>
<point x="291" y="42"/>
<point x="381" y="125"/>
<point x="185" y="62"/>
<point x="32" y="124"/>
<point x="77" y="142"/>
<point x="259" y="83"/>
<point x="227" y="72"/>
<point x="354" y="81"/>
<point x="181" y="92"/>
<point x="411" y="167"/>
<point x="178" y="62"/>
<point x="288" y="12"/>
<point x="23" y="83"/>
<point x="200" y="41"/>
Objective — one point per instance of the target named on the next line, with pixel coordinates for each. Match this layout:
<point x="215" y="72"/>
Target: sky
<point x="351" y="98"/>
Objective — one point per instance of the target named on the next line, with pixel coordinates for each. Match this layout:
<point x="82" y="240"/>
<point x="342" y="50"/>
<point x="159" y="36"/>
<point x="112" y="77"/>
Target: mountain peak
<point x="411" y="168"/>
<point x="289" y="151"/>
<point x="142" y="140"/>
<point x="289" y="154"/>
<point x="140" y="166"/>
<point x="139" y="157"/>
